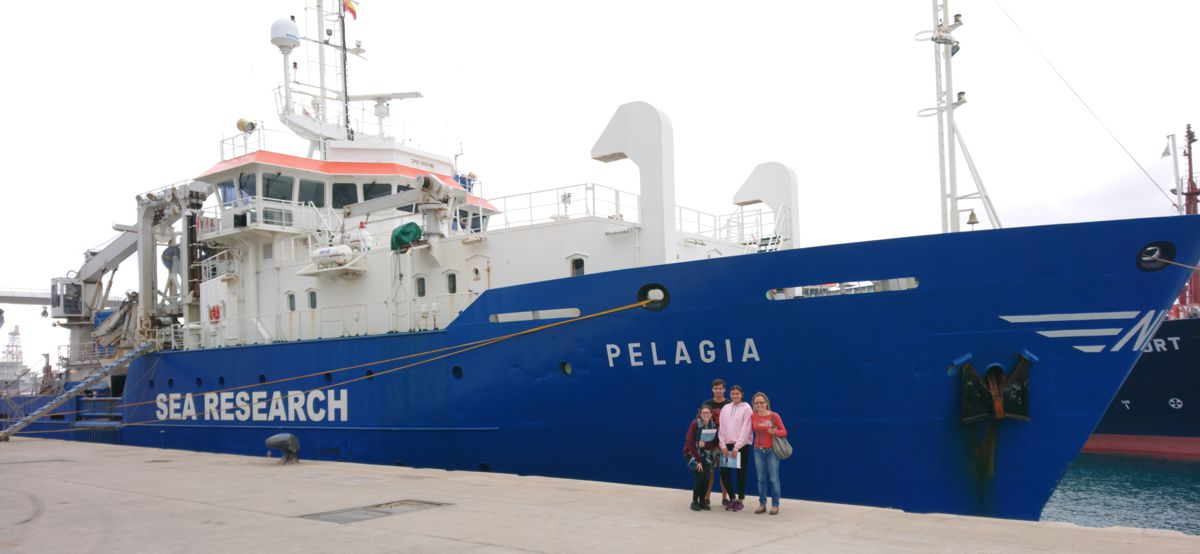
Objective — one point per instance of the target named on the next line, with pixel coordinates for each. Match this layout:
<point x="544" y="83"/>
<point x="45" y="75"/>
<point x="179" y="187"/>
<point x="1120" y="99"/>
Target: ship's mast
<point x="321" y="113"/>
<point x="949" y="137"/>
<point x="345" y="79"/>
<point x="1188" y="298"/>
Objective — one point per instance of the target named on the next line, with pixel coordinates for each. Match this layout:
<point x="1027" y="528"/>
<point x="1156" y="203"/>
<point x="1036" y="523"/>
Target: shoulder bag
<point x="781" y="446"/>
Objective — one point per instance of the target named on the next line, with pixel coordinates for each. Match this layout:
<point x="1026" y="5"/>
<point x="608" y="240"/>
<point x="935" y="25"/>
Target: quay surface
<point x="60" y="496"/>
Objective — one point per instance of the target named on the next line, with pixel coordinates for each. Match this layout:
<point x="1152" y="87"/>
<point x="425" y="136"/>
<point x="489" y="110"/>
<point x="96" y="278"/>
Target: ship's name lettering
<point x="317" y="405"/>
<point x="1160" y="345"/>
<point x="637" y="354"/>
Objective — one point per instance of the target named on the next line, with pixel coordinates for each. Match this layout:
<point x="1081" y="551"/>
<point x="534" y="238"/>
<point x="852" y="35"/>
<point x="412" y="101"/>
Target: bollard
<point x="288" y="444"/>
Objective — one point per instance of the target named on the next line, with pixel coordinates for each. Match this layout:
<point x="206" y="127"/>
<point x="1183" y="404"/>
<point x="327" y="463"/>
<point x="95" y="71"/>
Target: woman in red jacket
<point x="767" y="425"/>
<point x="703" y="453"/>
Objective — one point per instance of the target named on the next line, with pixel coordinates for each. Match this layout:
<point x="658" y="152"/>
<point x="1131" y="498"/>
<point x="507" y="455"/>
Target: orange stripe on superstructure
<point x="320" y="166"/>
<point x="335" y="168"/>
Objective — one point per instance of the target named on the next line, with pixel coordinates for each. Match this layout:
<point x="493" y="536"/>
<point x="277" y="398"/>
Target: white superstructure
<point x="266" y="246"/>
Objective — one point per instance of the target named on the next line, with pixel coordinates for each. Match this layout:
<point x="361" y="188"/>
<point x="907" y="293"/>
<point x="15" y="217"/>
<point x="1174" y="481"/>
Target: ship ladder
<point x="74" y="391"/>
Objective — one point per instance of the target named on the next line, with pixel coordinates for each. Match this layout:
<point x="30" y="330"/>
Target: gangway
<point x="74" y="391"/>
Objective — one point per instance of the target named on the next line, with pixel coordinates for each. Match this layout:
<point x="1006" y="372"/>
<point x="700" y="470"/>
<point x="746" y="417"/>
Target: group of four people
<point x="721" y="436"/>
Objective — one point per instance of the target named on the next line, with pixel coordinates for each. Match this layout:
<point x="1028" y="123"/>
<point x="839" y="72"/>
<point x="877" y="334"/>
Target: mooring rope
<point x="461" y="348"/>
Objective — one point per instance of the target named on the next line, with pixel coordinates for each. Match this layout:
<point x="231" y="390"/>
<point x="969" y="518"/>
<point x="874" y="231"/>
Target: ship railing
<point x="84" y="352"/>
<point x="373" y="318"/>
<point x="166" y="338"/>
<point x="696" y="222"/>
<point x="244" y="142"/>
<point x="558" y="204"/>
<point x="164" y="191"/>
<point x="363" y="120"/>
<point x="18" y="384"/>
<point x="745" y="226"/>
<point x="222" y="263"/>
<point x="438" y="310"/>
<point x="260" y="212"/>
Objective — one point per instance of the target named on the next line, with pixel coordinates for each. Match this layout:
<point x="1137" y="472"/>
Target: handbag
<point x="781" y="446"/>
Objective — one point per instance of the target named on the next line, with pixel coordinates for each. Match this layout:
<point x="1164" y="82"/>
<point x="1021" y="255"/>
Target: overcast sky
<point x="106" y="102"/>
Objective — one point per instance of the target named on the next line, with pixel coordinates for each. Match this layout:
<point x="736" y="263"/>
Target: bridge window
<point x="248" y="184"/>
<point x="420" y="287"/>
<point x="226" y="190"/>
<point x="375" y="190"/>
<point x="312" y="191"/>
<point x="344" y="194"/>
<point x="278" y="186"/>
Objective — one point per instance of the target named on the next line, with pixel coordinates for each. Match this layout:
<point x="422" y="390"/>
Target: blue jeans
<point x="766" y="465"/>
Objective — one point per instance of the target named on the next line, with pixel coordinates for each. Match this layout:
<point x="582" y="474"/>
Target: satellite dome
<point x="285" y="34"/>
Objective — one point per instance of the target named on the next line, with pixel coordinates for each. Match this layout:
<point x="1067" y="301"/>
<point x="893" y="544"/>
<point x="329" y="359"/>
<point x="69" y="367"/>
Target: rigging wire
<point x="1085" y="104"/>
<point x="455" y="350"/>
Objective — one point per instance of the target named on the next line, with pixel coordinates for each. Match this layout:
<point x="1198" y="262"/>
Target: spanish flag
<point x="351" y="6"/>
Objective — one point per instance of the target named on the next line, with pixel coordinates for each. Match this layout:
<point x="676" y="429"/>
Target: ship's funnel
<point x="643" y="134"/>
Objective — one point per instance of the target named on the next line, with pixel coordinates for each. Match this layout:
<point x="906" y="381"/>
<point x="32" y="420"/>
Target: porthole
<point x="565" y="367"/>
<point x="171" y="383"/>
<point x="199" y="382"/>
<point x="221" y="381"/>
<point x="328" y="377"/>
<point x="457" y="372"/>
<point x="484" y="467"/>
<point x="370" y="375"/>
<point x="151" y="383"/>
<point x="262" y="378"/>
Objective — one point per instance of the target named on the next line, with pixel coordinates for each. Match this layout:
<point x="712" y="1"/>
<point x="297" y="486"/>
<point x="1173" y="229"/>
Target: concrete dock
<point x="59" y="496"/>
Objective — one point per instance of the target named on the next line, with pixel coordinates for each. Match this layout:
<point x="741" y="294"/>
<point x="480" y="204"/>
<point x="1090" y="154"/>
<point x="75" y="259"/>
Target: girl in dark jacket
<point x="702" y="455"/>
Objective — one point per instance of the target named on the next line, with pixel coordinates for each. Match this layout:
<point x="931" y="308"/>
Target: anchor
<point x="996" y="395"/>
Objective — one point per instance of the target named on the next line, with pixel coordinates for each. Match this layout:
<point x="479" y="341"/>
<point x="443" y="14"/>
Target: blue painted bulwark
<point x="866" y="383"/>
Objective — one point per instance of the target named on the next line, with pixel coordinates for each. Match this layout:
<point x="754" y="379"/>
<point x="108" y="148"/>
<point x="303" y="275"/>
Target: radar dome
<point x="285" y="34"/>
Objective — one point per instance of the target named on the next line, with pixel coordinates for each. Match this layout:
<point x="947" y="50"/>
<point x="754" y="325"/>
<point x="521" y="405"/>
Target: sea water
<point x="1107" y="491"/>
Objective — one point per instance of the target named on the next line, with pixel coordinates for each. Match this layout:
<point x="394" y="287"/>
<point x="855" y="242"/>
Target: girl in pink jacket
<point x="734" y="437"/>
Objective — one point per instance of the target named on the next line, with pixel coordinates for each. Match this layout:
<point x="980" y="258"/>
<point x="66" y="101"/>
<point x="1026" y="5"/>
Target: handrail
<point x="370" y="318"/>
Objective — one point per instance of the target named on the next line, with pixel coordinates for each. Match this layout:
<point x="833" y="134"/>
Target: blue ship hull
<point x="869" y="385"/>
<point x="1156" y="411"/>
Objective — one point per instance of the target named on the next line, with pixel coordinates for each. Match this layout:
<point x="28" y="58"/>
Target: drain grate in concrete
<point x="364" y="513"/>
